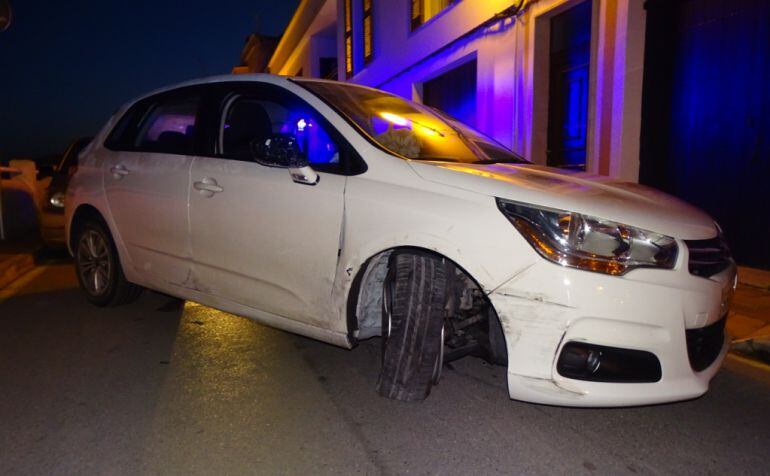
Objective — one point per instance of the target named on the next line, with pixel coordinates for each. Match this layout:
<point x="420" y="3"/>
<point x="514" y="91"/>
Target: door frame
<point x="541" y="80"/>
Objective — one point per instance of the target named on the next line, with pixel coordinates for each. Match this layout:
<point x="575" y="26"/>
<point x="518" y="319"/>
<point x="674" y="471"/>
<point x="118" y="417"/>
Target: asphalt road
<point x="162" y="387"/>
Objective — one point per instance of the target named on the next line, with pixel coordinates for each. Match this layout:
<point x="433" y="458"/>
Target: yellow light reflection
<point x="425" y="130"/>
<point x="395" y="119"/>
<point x="416" y="126"/>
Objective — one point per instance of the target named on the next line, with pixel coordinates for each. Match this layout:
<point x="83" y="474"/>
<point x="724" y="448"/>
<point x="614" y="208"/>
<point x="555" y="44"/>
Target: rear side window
<point x="169" y="127"/>
<point x="70" y="159"/>
<point x="122" y="134"/>
<point x="162" y="124"/>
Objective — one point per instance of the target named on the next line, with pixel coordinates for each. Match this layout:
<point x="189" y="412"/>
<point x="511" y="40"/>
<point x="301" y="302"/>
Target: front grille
<point x="708" y="257"/>
<point x="705" y="344"/>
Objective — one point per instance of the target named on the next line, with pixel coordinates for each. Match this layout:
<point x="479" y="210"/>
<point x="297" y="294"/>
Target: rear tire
<point x="98" y="267"/>
<point x="413" y="319"/>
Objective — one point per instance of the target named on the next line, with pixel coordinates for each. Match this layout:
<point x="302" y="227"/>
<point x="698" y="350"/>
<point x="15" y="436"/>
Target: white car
<point x="341" y="213"/>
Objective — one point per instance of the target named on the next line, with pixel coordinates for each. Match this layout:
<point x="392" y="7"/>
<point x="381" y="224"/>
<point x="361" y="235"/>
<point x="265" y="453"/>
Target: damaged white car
<point x="342" y="213"/>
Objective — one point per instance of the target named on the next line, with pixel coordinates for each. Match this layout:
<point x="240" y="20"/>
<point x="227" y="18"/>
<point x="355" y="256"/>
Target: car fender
<point x="443" y="220"/>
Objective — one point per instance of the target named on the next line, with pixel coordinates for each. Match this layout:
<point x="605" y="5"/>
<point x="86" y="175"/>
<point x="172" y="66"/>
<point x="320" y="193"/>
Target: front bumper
<point x="547" y="306"/>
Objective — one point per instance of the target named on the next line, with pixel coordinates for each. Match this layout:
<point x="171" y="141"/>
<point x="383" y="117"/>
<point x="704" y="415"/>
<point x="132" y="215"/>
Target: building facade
<point x="558" y="81"/>
<point x="257" y="51"/>
<point x="669" y="93"/>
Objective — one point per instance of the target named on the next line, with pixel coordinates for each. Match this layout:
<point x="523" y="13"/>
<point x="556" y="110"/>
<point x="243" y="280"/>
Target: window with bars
<point x="424" y="10"/>
<point x="347" y="5"/>
<point x="368" y="31"/>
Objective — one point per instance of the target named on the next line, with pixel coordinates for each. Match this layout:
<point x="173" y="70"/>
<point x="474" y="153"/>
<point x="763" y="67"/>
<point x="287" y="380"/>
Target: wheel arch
<point x="83" y="213"/>
<point x="367" y="279"/>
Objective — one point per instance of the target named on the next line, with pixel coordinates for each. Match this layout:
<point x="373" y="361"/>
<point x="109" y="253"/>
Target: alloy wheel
<point x="94" y="263"/>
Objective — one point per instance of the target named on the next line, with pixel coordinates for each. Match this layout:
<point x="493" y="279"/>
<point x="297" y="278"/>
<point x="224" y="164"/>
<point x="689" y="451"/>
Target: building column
<point x="617" y="117"/>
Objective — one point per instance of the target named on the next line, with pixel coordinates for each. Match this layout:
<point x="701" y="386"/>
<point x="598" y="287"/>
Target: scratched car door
<point x="258" y="238"/>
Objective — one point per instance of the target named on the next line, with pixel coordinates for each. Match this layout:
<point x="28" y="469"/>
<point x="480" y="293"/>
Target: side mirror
<point x="279" y="150"/>
<point x="282" y="150"/>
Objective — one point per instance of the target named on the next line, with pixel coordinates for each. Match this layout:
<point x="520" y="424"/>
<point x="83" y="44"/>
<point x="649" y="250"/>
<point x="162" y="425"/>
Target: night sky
<point x="66" y="66"/>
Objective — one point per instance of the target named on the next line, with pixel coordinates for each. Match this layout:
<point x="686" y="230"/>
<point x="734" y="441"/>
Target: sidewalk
<point x="749" y="321"/>
<point x="17" y="258"/>
<point x="757" y="278"/>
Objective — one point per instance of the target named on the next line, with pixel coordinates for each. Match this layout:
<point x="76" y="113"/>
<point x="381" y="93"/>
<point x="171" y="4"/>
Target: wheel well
<point x="364" y="306"/>
<point x="83" y="215"/>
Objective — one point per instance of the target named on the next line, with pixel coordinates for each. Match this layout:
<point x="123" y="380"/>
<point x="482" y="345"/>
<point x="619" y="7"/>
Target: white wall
<point x="312" y="34"/>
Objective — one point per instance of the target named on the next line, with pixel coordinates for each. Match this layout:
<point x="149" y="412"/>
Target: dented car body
<point x="593" y="292"/>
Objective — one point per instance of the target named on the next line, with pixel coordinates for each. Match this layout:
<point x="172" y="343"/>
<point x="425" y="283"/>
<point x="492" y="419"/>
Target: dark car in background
<point x="52" y="213"/>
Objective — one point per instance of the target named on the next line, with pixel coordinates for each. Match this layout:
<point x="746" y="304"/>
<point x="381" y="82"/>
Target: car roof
<point x="224" y="78"/>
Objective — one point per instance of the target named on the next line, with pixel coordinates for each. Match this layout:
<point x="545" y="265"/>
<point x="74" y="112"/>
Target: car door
<point x="146" y="180"/>
<point x="258" y="238"/>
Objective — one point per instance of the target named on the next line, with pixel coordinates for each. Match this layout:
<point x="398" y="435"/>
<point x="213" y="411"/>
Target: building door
<point x="705" y="122"/>
<point x="454" y="92"/>
<point x="570" y="53"/>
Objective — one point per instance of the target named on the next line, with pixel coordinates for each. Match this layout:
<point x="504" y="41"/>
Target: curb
<point x="13" y="266"/>
<point x="757" y="278"/>
<point x="757" y="348"/>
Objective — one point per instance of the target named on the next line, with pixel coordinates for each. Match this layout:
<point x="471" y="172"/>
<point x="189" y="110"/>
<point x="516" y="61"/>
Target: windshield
<point x="408" y="129"/>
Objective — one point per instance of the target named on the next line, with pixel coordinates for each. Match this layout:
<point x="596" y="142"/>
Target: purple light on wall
<point x="499" y="107"/>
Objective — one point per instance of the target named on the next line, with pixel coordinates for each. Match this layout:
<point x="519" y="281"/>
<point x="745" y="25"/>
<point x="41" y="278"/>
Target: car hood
<point x="599" y="196"/>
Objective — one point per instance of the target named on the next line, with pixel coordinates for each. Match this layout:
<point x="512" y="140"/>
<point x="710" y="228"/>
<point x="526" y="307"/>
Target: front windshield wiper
<point x="441" y="159"/>
<point x="512" y="160"/>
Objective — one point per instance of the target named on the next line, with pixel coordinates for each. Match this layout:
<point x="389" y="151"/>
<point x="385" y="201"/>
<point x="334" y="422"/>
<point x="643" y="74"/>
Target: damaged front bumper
<point x="547" y="306"/>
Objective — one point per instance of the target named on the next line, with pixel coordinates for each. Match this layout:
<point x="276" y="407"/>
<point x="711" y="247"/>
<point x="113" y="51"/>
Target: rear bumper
<point x="547" y="306"/>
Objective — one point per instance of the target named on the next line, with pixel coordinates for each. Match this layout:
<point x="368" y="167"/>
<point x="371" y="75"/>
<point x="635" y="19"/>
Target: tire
<point x="97" y="266"/>
<point x="413" y="322"/>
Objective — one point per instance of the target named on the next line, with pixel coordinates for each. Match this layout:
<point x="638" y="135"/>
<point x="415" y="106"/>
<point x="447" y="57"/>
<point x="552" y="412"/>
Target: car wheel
<point x="98" y="268"/>
<point x="413" y="322"/>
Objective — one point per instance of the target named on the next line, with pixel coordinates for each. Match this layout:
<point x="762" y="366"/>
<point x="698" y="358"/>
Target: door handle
<point x="208" y="187"/>
<point x="119" y="171"/>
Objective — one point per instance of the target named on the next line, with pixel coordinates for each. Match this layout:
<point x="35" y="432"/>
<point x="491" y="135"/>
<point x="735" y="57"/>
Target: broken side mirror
<point x="282" y="150"/>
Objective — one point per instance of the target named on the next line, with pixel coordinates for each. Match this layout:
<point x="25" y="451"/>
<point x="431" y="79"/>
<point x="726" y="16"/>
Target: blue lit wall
<point x="706" y="133"/>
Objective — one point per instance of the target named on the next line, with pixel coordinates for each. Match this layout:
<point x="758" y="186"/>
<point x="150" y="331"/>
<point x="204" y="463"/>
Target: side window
<point x="248" y="120"/>
<point x="424" y="10"/>
<point x="168" y="126"/>
<point x="122" y="135"/>
<point x="69" y="162"/>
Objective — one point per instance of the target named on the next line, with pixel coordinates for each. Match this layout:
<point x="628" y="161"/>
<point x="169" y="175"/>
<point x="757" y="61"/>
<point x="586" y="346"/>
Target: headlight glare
<point x="56" y="200"/>
<point x="590" y="243"/>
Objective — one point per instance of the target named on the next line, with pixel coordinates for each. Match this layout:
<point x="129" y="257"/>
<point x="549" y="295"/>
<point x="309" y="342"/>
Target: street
<point x="163" y="387"/>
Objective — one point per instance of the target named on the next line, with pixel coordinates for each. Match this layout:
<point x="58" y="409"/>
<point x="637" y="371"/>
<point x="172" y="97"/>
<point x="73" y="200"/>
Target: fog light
<point x="598" y="363"/>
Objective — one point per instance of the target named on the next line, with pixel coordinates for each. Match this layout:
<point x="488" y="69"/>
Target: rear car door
<point x="258" y="238"/>
<point x="146" y="181"/>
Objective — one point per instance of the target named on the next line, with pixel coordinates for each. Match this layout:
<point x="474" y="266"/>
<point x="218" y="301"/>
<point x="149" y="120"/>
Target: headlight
<point x="57" y="200"/>
<point x="587" y="242"/>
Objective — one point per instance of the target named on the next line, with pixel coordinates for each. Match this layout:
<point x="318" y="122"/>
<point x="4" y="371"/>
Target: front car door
<point x="258" y="238"/>
<point x="146" y="181"/>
